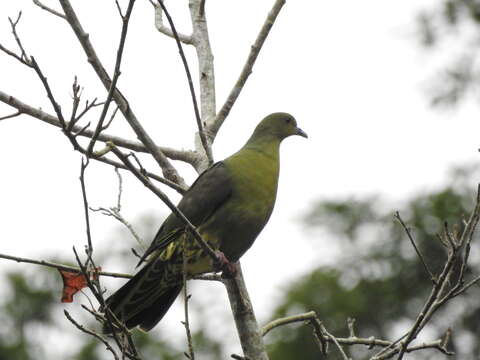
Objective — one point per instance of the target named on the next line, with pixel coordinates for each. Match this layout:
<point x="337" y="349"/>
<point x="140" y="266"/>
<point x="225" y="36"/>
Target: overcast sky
<point x="351" y="72"/>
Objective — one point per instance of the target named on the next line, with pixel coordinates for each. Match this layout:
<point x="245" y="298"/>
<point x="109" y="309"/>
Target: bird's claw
<point x="229" y="269"/>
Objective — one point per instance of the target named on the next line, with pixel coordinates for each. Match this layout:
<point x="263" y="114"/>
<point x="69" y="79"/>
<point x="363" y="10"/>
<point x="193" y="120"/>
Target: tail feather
<point x="144" y="300"/>
<point x="150" y="317"/>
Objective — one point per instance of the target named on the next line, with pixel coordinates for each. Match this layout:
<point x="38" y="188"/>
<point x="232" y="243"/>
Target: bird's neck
<point x="266" y="145"/>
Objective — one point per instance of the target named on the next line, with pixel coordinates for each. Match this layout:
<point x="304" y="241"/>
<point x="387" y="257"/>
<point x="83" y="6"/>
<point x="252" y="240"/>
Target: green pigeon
<point x="229" y="204"/>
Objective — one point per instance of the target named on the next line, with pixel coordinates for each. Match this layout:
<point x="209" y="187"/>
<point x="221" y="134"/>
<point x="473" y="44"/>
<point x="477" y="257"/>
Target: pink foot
<point x="229" y="269"/>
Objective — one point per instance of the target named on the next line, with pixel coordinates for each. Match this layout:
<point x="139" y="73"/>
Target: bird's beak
<point x="301" y="133"/>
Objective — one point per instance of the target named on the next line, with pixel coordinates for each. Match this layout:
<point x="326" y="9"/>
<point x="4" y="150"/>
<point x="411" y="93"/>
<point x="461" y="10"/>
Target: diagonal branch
<point x="92" y="333"/>
<point x="49" y="9"/>
<point x="187" y="156"/>
<point x="145" y="180"/>
<point x="168" y="170"/>
<point x="247" y="69"/>
<point x="116" y="75"/>
<point x="412" y="241"/>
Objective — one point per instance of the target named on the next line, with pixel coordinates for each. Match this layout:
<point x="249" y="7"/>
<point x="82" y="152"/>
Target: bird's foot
<point x="229" y="269"/>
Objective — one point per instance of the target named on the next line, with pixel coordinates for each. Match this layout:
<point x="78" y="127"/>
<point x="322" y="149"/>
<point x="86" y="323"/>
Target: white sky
<point x="349" y="71"/>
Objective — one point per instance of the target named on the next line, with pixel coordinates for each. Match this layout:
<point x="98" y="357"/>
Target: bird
<point x="229" y="205"/>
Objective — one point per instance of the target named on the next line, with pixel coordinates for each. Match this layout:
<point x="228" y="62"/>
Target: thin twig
<point x="186" y="298"/>
<point x="186" y="39"/>
<point x="201" y="132"/>
<point x="335" y="341"/>
<point x="187" y="156"/>
<point x="146" y="181"/>
<point x="247" y="68"/>
<point x="116" y="74"/>
<point x="60" y="266"/>
<point x="44" y="81"/>
<point x="115" y="212"/>
<point x="14" y="24"/>
<point x="92" y="333"/>
<point x="49" y="9"/>
<point x="412" y="241"/>
<point x="15" y="114"/>
<point x="167" y="168"/>
<point x="85" y="205"/>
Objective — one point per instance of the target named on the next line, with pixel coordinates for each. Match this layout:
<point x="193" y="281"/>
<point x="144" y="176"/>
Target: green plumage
<point x="229" y="204"/>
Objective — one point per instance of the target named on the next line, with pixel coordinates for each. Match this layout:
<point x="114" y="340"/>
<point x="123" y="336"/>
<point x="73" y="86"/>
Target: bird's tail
<point x="145" y="298"/>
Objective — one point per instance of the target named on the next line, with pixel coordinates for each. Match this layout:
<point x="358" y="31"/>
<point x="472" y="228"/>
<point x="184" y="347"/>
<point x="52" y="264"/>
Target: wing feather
<point x="211" y="189"/>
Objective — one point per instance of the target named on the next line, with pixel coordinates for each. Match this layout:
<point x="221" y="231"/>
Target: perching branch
<point x="159" y="193"/>
<point x="186" y="297"/>
<point x="244" y="316"/>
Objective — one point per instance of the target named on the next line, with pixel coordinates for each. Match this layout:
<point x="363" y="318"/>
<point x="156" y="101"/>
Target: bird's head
<point x="280" y="125"/>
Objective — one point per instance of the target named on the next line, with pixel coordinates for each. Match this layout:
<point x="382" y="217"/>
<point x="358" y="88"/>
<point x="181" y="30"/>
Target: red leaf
<point x="73" y="282"/>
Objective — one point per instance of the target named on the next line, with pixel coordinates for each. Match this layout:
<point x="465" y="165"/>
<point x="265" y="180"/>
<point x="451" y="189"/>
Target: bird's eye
<point x="288" y="120"/>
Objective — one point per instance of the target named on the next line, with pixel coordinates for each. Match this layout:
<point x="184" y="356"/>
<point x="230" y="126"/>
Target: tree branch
<point x="187" y="156"/>
<point x="186" y="39"/>
<point x="92" y="333"/>
<point x="168" y="170"/>
<point x="15" y="114"/>
<point x="146" y="181"/>
<point x="245" y="321"/>
<point x="60" y="266"/>
<point x="205" y="69"/>
<point x="247" y="69"/>
<point x="49" y="9"/>
<point x="116" y="75"/>
<point x="205" y="143"/>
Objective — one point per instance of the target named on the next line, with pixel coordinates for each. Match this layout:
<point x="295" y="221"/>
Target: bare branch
<point x="14" y="24"/>
<point x="145" y="180"/>
<point x="187" y="156"/>
<point x="206" y="71"/>
<point x="92" y="333"/>
<point x="49" y="9"/>
<point x="205" y="142"/>
<point x="15" y="114"/>
<point x="208" y="277"/>
<point x="164" y="181"/>
<point x="115" y="212"/>
<point x="116" y="73"/>
<point x="168" y="170"/>
<point x="44" y="81"/>
<point x="245" y="321"/>
<point x="186" y="39"/>
<point x="412" y="241"/>
<point x="440" y="292"/>
<point x="60" y="266"/>
<point x="22" y="58"/>
<point x="247" y="69"/>
<point x="85" y="205"/>
<point x="186" y="298"/>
